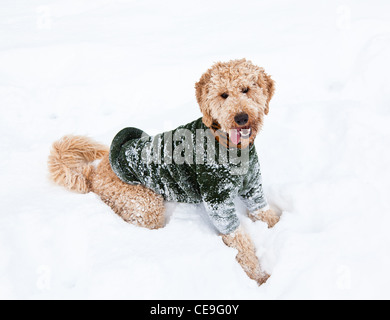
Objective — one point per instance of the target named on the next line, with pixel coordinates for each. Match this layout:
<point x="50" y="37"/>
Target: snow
<point x="94" y="67"/>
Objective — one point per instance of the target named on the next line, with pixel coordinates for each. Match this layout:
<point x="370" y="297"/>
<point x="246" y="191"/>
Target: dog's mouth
<point x="237" y="135"/>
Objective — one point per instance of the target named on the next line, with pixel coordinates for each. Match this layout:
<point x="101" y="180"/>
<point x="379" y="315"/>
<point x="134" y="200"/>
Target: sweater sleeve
<point x="218" y="190"/>
<point x="253" y="193"/>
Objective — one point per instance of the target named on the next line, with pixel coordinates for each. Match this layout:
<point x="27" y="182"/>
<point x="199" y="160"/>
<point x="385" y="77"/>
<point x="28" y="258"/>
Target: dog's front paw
<point x="263" y="279"/>
<point x="269" y="216"/>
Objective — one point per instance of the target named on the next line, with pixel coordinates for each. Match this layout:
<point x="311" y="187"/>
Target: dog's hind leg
<point x="136" y="204"/>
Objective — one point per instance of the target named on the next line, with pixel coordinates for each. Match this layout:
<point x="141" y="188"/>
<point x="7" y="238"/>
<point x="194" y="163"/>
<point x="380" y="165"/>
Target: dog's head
<point x="235" y="96"/>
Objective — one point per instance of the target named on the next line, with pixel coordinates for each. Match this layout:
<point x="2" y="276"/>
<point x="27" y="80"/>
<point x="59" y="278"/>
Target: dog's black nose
<point x="241" y="119"/>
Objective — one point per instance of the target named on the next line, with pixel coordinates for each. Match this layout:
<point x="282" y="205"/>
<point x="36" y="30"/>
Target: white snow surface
<point x="93" y="67"/>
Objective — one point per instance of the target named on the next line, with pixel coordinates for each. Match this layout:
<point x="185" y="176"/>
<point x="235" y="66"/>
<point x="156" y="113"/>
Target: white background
<point x="93" y="67"/>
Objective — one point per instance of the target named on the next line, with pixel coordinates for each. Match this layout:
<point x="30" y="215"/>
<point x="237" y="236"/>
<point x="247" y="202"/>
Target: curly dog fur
<point x="225" y="90"/>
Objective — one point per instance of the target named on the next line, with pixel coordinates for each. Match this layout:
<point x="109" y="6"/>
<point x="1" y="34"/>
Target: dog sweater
<point x="177" y="165"/>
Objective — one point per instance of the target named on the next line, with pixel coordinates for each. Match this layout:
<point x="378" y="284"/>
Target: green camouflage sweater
<point x="189" y="165"/>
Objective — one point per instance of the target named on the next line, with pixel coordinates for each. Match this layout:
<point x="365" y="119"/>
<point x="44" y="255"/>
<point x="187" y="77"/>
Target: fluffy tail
<point x="70" y="162"/>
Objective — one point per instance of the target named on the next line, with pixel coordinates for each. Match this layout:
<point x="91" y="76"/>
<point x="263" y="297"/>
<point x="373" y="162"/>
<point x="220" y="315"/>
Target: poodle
<point x="211" y="160"/>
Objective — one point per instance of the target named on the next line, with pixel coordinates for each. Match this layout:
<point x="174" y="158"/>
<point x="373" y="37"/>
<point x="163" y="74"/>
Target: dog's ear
<point x="268" y="85"/>
<point x="201" y="96"/>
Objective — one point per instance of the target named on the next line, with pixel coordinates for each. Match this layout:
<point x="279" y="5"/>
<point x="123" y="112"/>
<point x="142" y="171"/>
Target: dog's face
<point x="235" y="96"/>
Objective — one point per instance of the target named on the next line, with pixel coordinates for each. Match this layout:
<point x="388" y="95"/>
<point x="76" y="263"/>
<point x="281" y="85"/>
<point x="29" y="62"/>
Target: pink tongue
<point x="235" y="136"/>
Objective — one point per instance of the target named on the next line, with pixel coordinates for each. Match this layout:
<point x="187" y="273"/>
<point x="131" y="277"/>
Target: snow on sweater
<point x="188" y="165"/>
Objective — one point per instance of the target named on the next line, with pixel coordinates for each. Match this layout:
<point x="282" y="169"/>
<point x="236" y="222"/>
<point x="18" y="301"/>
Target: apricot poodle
<point x="211" y="160"/>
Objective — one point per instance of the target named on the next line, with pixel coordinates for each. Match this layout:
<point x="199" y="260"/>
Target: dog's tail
<point x="70" y="162"/>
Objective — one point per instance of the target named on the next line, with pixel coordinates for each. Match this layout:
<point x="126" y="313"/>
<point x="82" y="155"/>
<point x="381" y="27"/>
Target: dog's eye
<point x="245" y="90"/>
<point x="224" y="95"/>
